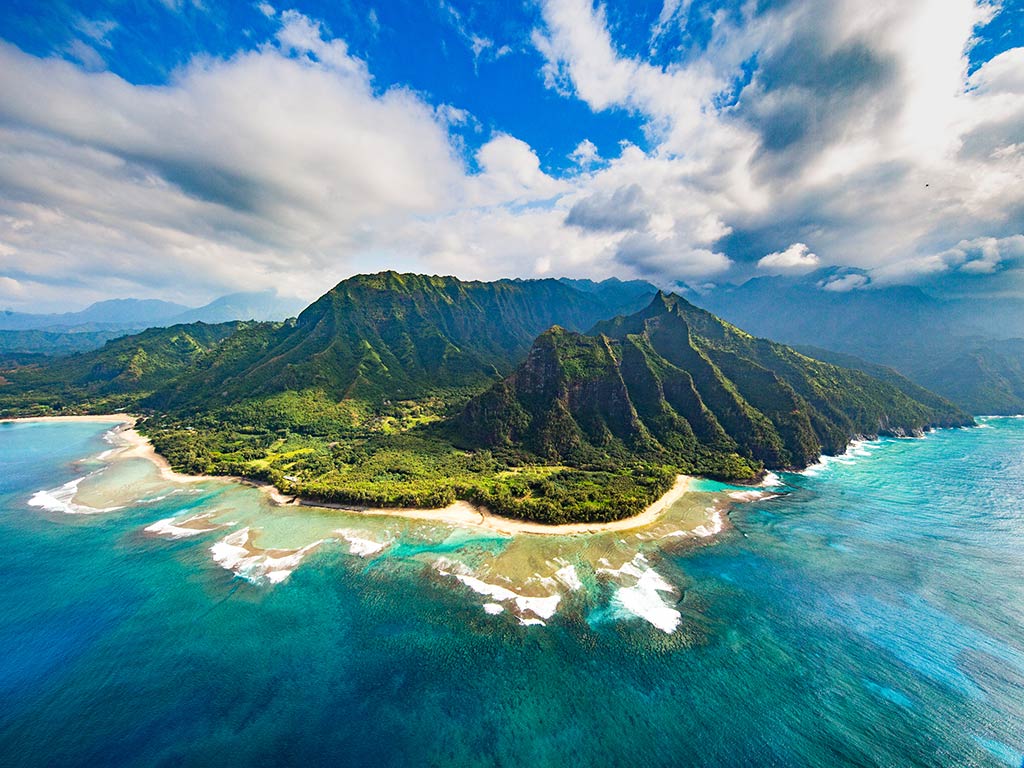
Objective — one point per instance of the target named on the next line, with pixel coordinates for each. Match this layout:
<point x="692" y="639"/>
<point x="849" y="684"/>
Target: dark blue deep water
<point x="871" y="616"/>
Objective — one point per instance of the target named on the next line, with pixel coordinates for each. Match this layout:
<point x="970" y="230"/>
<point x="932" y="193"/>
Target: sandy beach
<point x="138" y="447"/>
<point x="461" y="513"/>
<point x="111" y="418"/>
<point x="464" y="513"/>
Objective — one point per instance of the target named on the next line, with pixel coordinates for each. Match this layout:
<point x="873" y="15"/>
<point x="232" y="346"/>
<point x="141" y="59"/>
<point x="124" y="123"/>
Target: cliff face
<point x="675" y="384"/>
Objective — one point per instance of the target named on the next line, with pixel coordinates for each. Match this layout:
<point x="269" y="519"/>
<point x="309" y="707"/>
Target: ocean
<point x="869" y="612"/>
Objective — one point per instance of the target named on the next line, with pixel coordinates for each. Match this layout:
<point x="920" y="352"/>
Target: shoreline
<point x="460" y="513"/>
<point x="112" y="418"/>
<point x="465" y="513"/>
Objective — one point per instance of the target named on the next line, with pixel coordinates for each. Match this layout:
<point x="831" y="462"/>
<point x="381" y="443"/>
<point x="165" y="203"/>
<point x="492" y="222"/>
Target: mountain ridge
<point x="673" y="372"/>
<point x="969" y="349"/>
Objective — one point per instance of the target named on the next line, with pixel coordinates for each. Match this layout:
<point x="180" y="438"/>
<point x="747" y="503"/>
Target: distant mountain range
<point x="25" y="336"/>
<point x="137" y="314"/>
<point x="969" y="350"/>
<point x="546" y="399"/>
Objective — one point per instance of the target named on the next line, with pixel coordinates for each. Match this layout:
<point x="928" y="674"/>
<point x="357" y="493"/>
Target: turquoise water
<point x="873" y="614"/>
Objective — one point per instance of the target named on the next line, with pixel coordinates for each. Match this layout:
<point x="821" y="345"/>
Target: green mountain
<point x="56" y="343"/>
<point x="676" y="385"/>
<point x="114" y="377"/>
<point x="981" y="376"/>
<point x="984" y="377"/>
<point x="412" y="390"/>
<point x="24" y="336"/>
<point x="392" y="336"/>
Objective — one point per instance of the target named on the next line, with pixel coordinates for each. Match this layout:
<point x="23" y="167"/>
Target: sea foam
<point x="857" y="449"/>
<point x="62" y="500"/>
<point x="715" y="524"/>
<point x="644" y="597"/>
<point x="567" y="576"/>
<point x="235" y="553"/>
<point x="179" y="529"/>
<point x="360" y="546"/>
<point x="541" y="608"/>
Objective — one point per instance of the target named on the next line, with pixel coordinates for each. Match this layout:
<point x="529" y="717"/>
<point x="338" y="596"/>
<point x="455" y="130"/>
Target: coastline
<point x="110" y="418"/>
<point x="464" y="513"/>
<point x="460" y="513"/>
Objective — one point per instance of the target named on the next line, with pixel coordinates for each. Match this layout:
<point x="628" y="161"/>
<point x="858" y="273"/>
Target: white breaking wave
<point x="714" y="526"/>
<point x="857" y="449"/>
<point x="568" y="577"/>
<point x="750" y="496"/>
<point x="233" y="553"/>
<point x="62" y="500"/>
<point x="155" y="499"/>
<point x="541" y="607"/>
<point x="747" y="495"/>
<point x="644" y="598"/>
<point x="360" y="546"/>
<point x="176" y="529"/>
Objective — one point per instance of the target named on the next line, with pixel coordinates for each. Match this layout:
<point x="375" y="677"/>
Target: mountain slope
<point x="968" y="350"/>
<point x="891" y="375"/>
<point x="398" y="336"/>
<point x="56" y="343"/>
<point x="116" y="376"/>
<point x="984" y="376"/>
<point x="675" y="384"/>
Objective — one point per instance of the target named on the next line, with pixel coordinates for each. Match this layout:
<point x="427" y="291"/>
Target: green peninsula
<point x="547" y="400"/>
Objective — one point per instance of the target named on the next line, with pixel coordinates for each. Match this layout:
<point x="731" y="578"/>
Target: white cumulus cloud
<point x="795" y="259"/>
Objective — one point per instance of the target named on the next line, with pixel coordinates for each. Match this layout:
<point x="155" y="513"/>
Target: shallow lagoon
<point x="871" y="615"/>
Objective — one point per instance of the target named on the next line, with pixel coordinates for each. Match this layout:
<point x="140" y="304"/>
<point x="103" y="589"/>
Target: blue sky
<point x="475" y="56"/>
<point x="180" y="149"/>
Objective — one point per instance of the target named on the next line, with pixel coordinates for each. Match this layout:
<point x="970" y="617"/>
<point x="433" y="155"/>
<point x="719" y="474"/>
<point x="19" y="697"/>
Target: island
<point x="554" y="402"/>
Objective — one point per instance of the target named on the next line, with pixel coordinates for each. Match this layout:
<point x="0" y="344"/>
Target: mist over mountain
<point x="965" y="349"/>
<point x="23" y="335"/>
<point x="258" y="305"/>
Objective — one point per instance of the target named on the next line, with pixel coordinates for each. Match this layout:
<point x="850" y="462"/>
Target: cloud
<point x="671" y="11"/>
<point x="97" y="30"/>
<point x="623" y="209"/>
<point x="511" y="173"/>
<point x="305" y="37"/>
<point x="10" y="288"/>
<point x="585" y="154"/>
<point x="288" y="166"/>
<point x="649" y="255"/>
<point x="862" y="130"/>
<point x="795" y="260"/>
<point x="85" y="55"/>
<point x="978" y="256"/>
<point x="845" y="283"/>
<point x="269" y="168"/>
